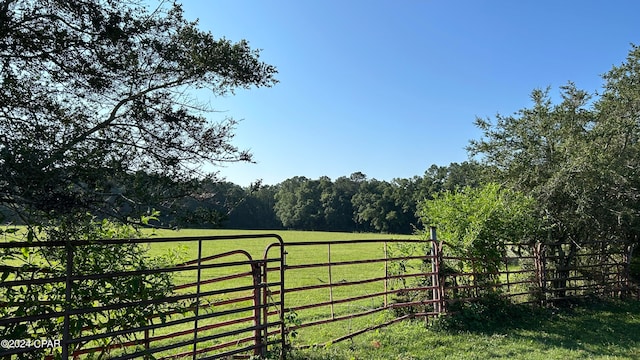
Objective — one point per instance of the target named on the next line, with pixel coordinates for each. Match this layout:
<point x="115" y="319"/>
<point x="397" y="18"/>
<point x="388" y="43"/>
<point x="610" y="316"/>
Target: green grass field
<point x="599" y="331"/>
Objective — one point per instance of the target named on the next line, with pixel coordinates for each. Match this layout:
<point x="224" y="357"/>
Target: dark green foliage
<point x="487" y="314"/>
<point x="337" y="204"/>
<point x="449" y="178"/>
<point x="298" y="203"/>
<point x="357" y="203"/>
<point x="93" y="91"/>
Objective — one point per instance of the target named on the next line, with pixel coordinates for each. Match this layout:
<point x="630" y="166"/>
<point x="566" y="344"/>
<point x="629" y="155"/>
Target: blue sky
<point x="389" y="88"/>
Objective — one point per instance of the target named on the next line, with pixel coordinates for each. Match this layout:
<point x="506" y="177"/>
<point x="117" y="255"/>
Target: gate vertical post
<point x="265" y="300"/>
<point x="283" y="328"/>
<point x="333" y="314"/>
<point x="66" y="332"/>
<point x="441" y="275"/>
<point x="147" y="346"/>
<point x="386" y="275"/>
<point x="435" y="271"/>
<point x="197" y="309"/>
<point x="259" y="349"/>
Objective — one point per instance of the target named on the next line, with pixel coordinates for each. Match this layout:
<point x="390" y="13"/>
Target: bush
<point x="477" y="223"/>
<point x="490" y="313"/>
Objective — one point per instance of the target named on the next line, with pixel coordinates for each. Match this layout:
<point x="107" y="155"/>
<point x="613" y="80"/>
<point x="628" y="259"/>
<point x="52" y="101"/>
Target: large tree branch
<point x="112" y="116"/>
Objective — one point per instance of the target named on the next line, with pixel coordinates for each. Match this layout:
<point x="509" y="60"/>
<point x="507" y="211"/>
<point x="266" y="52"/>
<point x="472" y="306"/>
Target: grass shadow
<point x="602" y="328"/>
<point x="597" y="330"/>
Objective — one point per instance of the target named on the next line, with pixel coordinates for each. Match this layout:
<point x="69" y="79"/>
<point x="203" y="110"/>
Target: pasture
<point x="597" y="331"/>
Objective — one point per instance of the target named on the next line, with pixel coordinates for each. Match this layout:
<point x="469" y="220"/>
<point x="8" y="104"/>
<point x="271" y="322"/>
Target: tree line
<point x="348" y="203"/>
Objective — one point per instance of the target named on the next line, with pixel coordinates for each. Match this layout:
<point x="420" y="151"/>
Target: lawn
<point x="604" y="330"/>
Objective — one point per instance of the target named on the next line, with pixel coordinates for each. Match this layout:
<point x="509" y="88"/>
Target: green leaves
<point x="89" y="259"/>
<point x="93" y="91"/>
<point x="478" y="222"/>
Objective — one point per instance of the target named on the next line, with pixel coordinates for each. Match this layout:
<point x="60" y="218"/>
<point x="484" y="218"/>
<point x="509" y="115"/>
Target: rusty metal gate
<point x="221" y="305"/>
<point x="351" y="286"/>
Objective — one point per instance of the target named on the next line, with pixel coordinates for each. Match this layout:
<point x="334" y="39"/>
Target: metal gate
<point x="221" y="305"/>
<point x="353" y="283"/>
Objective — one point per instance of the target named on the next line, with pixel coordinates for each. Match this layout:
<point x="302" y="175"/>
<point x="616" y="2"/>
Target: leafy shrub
<point x="489" y="313"/>
<point x="477" y="223"/>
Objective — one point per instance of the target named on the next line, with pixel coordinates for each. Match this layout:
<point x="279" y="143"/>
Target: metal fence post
<point x="264" y="271"/>
<point x="283" y="327"/>
<point x="386" y="275"/>
<point x="197" y="309"/>
<point x="66" y="336"/>
<point x="435" y="271"/>
<point x="259" y="344"/>
<point x="333" y="314"/>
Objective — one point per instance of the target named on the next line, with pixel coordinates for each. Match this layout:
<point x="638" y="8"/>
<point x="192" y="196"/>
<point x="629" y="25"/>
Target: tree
<point x="448" y="178"/>
<point x="257" y="210"/>
<point x="298" y="204"/>
<point x="578" y="159"/>
<point x="94" y="89"/>
<point x="544" y="151"/>
<point x="337" y="206"/>
<point x="94" y="118"/>
<point x="209" y="205"/>
<point x="385" y="207"/>
<point x="477" y="223"/>
<point x="615" y="150"/>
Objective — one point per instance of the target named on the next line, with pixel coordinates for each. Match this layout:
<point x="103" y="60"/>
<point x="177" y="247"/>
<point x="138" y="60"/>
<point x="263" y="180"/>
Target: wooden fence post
<point x="541" y="277"/>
